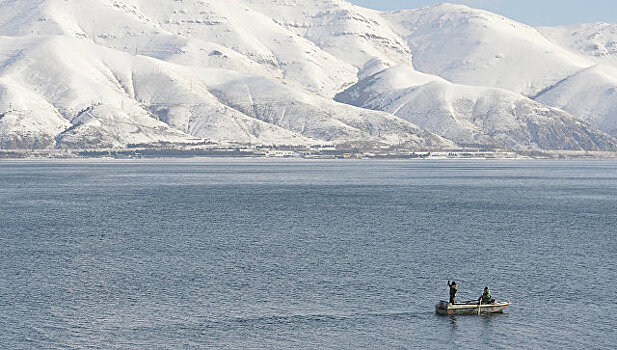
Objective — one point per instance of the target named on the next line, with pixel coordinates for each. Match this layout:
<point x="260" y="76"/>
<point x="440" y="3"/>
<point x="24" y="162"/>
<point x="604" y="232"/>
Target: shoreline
<point x="560" y="157"/>
<point x="298" y="153"/>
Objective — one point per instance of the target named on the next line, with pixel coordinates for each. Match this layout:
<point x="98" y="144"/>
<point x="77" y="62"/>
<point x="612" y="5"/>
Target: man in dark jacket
<point x="453" y="289"/>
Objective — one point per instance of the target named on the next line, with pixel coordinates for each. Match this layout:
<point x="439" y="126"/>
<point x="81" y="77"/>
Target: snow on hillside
<point x="476" y="47"/>
<point x="80" y="89"/>
<point x="474" y="116"/>
<point x="358" y="36"/>
<point x="319" y="118"/>
<point x="110" y="73"/>
<point x="235" y="25"/>
<point x="99" y="93"/>
<point x="590" y="94"/>
<point x="533" y="62"/>
<point x="226" y="33"/>
<point x="112" y="99"/>
<point x="596" y="41"/>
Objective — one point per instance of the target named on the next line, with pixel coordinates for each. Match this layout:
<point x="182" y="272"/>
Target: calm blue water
<point x="264" y="254"/>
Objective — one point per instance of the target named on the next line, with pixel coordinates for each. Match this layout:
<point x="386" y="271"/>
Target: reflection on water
<point x="453" y="322"/>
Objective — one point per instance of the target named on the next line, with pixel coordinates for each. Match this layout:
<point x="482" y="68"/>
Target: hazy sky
<point x="533" y="12"/>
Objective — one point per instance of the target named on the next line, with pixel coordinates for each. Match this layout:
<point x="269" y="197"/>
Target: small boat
<point x="469" y="308"/>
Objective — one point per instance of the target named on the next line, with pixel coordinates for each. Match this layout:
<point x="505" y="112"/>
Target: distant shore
<point x="298" y="153"/>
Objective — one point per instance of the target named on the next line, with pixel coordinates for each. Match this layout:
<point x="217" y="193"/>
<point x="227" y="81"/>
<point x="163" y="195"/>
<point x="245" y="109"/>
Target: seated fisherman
<point x="453" y="289"/>
<point x="486" y="297"/>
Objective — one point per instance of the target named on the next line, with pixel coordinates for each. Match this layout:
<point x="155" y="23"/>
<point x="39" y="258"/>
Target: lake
<point x="305" y="254"/>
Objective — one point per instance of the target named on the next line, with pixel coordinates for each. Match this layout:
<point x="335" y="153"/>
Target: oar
<point x="479" y="305"/>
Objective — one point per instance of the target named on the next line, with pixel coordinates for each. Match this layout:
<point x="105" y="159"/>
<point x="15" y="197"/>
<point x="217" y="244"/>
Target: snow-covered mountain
<point x="476" y="47"/>
<point x="472" y="116"/>
<point x="590" y="94"/>
<point x="111" y="73"/>
<point x="595" y="41"/>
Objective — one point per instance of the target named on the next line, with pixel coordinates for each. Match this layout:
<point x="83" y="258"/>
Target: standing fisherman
<point x="453" y="289"/>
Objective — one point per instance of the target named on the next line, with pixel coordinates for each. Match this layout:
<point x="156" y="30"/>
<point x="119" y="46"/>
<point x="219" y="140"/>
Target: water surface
<point x="305" y="254"/>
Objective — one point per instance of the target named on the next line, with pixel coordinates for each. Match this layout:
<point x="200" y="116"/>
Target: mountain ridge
<point x="110" y="73"/>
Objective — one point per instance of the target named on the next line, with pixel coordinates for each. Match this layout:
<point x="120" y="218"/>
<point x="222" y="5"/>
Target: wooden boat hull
<point x="469" y="308"/>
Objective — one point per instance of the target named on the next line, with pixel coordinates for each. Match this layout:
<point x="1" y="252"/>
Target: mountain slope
<point x="474" y="116"/>
<point x="112" y="99"/>
<point x="58" y="93"/>
<point x="476" y="47"/>
<point x="320" y="118"/>
<point x="355" y="35"/>
<point x="595" y="41"/>
<point x="590" y="94"/>
<point x="111" y="73"/>
<point x="469" y="46"/>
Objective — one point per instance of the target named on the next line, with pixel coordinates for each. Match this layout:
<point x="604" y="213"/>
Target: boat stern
<point x="441" y="308"/>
